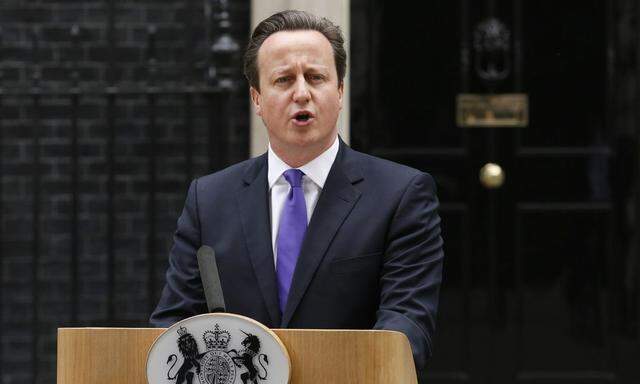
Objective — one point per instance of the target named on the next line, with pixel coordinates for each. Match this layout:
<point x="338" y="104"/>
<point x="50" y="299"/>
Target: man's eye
<point x="282" y="80"/>
<point x="316" y="77"/>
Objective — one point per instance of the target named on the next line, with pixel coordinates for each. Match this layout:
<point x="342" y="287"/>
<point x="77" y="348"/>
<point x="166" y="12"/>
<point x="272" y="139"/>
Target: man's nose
<point x="301" y="91"/>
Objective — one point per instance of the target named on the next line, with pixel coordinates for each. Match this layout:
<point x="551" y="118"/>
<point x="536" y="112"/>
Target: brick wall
<point x="42" y="285"/>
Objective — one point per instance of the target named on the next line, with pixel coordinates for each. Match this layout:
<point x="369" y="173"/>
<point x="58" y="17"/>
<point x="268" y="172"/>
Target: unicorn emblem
<point x="245" y="358"/>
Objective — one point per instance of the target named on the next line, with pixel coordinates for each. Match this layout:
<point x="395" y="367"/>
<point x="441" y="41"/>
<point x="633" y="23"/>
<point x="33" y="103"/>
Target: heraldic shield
<point x="218" y="348"/>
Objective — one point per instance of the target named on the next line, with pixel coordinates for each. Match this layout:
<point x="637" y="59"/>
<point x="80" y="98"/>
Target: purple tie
<point x="293" y="225"/>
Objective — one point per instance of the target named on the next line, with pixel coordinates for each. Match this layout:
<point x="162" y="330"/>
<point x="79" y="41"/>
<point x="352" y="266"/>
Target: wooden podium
<point x="119" y="355"/>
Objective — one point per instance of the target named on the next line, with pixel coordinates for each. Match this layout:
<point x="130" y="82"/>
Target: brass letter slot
<point x="501" y="110"/>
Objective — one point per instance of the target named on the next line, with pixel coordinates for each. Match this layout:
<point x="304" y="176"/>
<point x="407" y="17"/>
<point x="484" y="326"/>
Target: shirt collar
<point x="317" y="169"/>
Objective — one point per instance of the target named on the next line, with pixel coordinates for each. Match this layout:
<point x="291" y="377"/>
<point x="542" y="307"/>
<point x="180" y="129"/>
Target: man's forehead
<point x="305" y="64"/>
<point x="282" y="46"/>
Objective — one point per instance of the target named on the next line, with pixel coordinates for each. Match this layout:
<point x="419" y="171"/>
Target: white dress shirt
<point x="315" y="175"/>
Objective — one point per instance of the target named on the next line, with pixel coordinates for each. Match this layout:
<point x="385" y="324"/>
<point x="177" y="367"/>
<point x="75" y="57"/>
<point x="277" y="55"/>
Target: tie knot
<point x="294" y="177"/>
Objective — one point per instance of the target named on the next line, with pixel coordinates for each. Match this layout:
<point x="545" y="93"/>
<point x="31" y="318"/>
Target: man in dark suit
<point x="312" y="234"/>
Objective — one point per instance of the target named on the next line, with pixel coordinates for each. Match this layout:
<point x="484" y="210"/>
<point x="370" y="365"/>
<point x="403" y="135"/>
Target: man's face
<point x="299" y="98"/>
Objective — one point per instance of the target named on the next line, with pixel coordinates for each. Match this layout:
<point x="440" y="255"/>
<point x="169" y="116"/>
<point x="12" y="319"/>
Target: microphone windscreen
<point x="210" y="279"/>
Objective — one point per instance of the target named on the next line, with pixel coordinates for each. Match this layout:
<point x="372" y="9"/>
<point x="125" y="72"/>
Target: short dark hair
<point x="292" y="20"/>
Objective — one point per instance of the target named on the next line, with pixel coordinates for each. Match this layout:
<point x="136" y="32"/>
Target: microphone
<point x="210" y="279"/>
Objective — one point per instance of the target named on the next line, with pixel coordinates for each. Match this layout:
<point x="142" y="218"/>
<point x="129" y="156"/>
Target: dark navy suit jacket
<point x="371" y="258"/>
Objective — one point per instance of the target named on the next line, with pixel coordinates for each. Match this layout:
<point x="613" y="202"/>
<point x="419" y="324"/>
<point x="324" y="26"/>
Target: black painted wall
<point x="93" y="178"/>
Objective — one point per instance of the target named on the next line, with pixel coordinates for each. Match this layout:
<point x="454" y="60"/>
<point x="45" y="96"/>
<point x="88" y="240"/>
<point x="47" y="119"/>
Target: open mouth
<point x="302" y="116"/>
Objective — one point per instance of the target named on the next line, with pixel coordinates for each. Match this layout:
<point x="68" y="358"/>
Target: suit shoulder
<point x="387" y="169"/>
<point x="229" y="176"/>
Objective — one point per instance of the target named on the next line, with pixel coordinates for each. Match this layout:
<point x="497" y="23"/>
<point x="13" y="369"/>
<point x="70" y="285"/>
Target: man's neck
<point x="299" y="157"/>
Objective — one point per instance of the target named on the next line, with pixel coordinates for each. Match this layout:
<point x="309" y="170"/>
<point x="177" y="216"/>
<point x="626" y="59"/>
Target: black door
<point x="542" y="271"/>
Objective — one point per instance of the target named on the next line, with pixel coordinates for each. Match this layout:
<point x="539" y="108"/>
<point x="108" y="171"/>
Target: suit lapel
<point x="253" y="205"/>
<point x="337" y="199"/>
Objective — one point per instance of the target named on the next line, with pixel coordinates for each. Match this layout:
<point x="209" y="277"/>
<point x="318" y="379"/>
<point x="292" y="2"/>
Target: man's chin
<point x="303" y="138"/>
<point x="306" y="141"/>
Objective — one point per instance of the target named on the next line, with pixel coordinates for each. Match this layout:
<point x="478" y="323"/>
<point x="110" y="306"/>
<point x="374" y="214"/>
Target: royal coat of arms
<point x="218" y="364"/>
<point x="212" y="354"/>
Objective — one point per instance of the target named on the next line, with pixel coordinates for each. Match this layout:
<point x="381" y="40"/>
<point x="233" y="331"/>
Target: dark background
<point x="542" y="275"/>
<point x="100" y="135"/>
<point x="109" y="108"/>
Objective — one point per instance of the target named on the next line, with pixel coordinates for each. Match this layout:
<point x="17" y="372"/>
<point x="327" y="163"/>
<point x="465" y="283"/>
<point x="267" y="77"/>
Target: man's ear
<point x="340" y="93"/>
<point x="256" y="100"/>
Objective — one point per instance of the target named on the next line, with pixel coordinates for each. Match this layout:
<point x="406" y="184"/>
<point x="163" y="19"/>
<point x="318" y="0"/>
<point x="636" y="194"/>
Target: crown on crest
<point x="182" y="331"/>
<point x="216" y="339"/>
